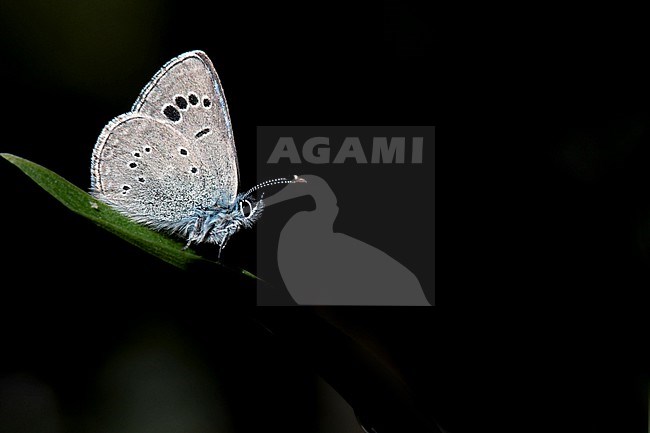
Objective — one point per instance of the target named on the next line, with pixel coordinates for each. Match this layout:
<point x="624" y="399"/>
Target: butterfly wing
<point x="181" y="117"/>
<point x="148" y="170"/>
<point x="186" y="93"/>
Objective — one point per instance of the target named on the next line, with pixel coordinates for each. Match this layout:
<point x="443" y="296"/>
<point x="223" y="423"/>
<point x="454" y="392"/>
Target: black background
<point x="542" y="149"/>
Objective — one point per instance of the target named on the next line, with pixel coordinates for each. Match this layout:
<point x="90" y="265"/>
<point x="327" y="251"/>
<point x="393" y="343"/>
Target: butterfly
<point x="171" y="163"/>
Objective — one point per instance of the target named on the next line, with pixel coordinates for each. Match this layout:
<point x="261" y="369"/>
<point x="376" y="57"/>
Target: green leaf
<point x="82" y="203"/>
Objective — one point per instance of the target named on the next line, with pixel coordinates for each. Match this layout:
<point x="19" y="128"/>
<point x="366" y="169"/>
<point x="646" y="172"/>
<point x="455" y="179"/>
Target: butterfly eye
<point x="246" y="208"/>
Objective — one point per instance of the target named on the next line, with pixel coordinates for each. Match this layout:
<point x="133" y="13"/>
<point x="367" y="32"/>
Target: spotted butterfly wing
<point x="174" y="152"/>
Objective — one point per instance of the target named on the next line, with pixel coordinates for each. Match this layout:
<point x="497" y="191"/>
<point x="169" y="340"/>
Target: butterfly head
<point x="247" y="210"/>
<point x="243" y="213"/>
<point x="251" y="209"/>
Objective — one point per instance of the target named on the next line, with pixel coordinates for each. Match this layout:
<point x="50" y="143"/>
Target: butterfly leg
<point x="194" y="235"/>
<point x="222" y="245"/>
<point x="224" y="239"/>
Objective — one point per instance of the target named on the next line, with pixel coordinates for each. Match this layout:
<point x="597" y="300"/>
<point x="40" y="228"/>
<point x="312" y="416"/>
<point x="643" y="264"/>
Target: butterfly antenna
<point x="278" y="181"/>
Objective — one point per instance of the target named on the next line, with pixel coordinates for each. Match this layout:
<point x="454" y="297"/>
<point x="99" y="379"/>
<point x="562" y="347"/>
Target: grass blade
<point x="82" y="203"/>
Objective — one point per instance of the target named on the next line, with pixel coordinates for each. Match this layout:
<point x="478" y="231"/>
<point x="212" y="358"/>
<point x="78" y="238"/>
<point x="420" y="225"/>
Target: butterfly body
<point x="171" y="163"/>
<point x="217" y="224"/>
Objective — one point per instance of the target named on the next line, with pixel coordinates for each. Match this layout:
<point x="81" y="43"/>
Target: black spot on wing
<point x="172" y="113"/>
<point x="181" y="102"/>
<point x="202" y="132"/>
